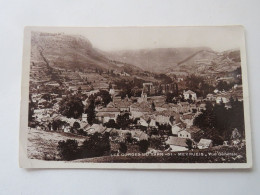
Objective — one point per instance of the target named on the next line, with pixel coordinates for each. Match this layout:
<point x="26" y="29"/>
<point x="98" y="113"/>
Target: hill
<point x="71" y="52"/>
<point x="180" y="60"/>
<point x="156" y="60"/>
<point x="210" y="62"/>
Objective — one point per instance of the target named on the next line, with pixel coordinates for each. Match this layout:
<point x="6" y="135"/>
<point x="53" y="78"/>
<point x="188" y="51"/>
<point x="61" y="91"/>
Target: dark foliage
<point x="223" y="85"/>
<point x="123" y="121"/>
<point x="218" y="121"/>
<point x="122" y="147"/>
<point x="68" y="150"/>
<point x="91" y="112"/>
<point x="46" y="96"/>
<point x="76" y="125"/>
<point x="143" y="146"/>
<point x="198" y="85"/>
<point x="71" y="107"/>
<point x="164" y="78"/>
<point x="106" y="98"/>
<point x="57" y="124"/>
<point x="111" y="124"/>
<point x="96" y="145"/>
<point x="189" y="143"/>
<point x="156" y="143"/>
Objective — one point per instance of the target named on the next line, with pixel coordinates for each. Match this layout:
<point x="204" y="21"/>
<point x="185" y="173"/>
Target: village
<point x="161" y="116"/>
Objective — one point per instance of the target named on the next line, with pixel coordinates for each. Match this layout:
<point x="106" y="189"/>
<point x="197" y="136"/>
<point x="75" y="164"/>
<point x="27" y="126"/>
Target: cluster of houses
<point x="149" y="112"/>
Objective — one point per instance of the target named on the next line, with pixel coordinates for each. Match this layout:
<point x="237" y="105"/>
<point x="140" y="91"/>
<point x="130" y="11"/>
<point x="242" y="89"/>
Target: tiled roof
<point x="105" y="114"/>
<point x="205" y="142"/>
<point x="189" y="92"/>
<point x="193" y="129"/>
<point x="177" y="141"/>
<point x="109" y="110"/>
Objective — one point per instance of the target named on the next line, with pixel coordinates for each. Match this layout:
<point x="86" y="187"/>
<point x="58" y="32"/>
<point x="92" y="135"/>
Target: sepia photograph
<point x="135" y="98"/>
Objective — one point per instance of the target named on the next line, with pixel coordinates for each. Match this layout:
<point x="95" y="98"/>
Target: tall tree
<point x="72" y="107"/>
<point x="91" y="112"/>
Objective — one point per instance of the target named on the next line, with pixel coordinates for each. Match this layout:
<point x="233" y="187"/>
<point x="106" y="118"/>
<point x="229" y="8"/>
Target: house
<point x="143" y="98"/>
<point x="140" y="109"/>
<point x="143" y="122"/>
<point x="189" y="133"/>
<point x="177" y="143"/>
<point x="205" y="143"/>
<point x="187" y="118"/>
<point x="104" y="117"/>
<point x="105" y="114"/>
<point x="123" y="105"/>
<point x="193" y="108"/>
<point x="221" y="99"/>
<point x="210" y="97"/>
<point x="184" y="107"/>
<point x="84" y="117"/>
<point x="202" y="107"/>
<point x="161" y="106"/>
<point x="153" y="123"/>
<point x="139" y="135"/>
<point x="95" y="128"/>
<point x="176" y="129"/>
<point x="164" y="117"/>
<point x="189" y="95"/>
<point x="67" y="129"/>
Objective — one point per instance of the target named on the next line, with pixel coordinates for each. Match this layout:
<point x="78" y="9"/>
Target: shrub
<point x="122" y="147"/>
<point x="95" y="145"/>
<point x="68" y="150"/>
<point x="143" y="146"/>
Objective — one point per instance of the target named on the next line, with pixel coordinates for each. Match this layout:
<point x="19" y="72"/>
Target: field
<point x="42" y="144"/>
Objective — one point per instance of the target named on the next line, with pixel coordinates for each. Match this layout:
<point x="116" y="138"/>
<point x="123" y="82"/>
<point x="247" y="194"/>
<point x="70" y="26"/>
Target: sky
<point x="132" y="38"/>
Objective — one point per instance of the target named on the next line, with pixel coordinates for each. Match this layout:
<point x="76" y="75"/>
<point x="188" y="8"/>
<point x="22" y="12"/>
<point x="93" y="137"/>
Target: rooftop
<point x="177" y="141"/>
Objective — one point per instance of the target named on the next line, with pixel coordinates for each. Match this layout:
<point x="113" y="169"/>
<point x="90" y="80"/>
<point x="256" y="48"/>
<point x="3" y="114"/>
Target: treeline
<point x="198" y="85"/>
<point x="218" y="122"/>
<point x="130" y="87"/>
<point x="94" y="146"/>
<point x="71" y="106"/>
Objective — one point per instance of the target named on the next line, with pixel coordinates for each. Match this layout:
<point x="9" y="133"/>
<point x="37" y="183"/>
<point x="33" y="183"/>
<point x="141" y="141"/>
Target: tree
<point x="106" y="97"/>
<point x="110" y="85"/>
<point x="91" y="112"/>
<point x="123" y="121"/>
<point x="143" y="146"/>
<point x="122" y="147"/>
<point x="207" y="119"/>
<point x="153" y="107"/>
<point x="96" y="145"/>
<point x="129" y="138"/>
<point x="189" y="143"/>
<point x="156" y="143"/>
<point x="169" y="97"/>
<point x="218" y="121"/>
<point x="46" y="96"/>
<point x="76" y="125"/>
<point x="68" y="150"/>
<point x="79" y="90"/>
<point x="57" y="124"/>
<point x="111" y="124"/>
<point x="30" y="110"/>
<point x="72" y="107"/>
